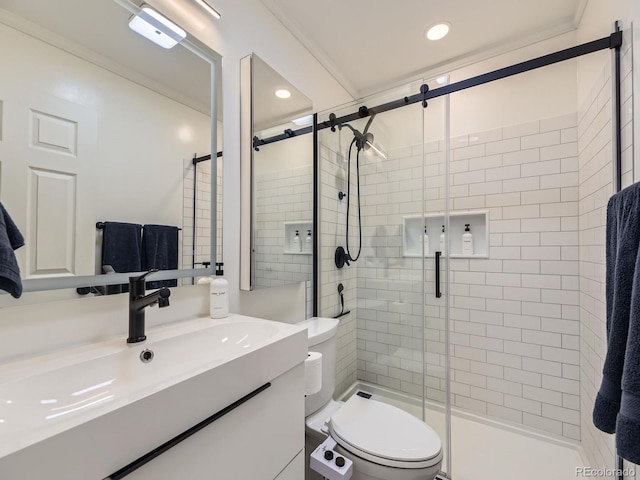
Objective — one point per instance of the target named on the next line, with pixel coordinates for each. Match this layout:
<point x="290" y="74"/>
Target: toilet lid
<point x="369" y="428"/>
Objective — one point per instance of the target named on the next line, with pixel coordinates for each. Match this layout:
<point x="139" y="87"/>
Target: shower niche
<point x="304" y="229"/>
<point x="413" y="228"/>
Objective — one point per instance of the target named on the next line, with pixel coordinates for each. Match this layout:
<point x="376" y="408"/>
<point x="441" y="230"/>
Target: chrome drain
<point x="146" y="355"/>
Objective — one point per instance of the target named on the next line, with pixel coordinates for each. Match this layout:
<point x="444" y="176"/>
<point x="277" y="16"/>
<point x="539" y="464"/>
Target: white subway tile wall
<point x="508" y="317"/>
<point x="332" y="227"/>
<point x="281" y="196"/>
<point x="595" y="145"/>
<point x="514" y="316"/>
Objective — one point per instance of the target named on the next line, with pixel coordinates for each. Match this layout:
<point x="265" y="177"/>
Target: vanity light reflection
<point x="80" y="407"/>
<point x="94" y="387"/>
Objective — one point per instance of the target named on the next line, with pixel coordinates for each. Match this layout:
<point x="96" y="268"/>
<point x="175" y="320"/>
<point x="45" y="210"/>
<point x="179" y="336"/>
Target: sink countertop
<point x="43" y="396"/>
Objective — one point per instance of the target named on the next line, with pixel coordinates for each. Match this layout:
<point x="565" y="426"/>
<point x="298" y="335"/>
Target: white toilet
<point x="383" y="441"/>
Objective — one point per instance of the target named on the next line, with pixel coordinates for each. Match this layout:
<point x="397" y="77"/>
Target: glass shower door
<point x="396" y="187"/>
<point x="437" y="255"/>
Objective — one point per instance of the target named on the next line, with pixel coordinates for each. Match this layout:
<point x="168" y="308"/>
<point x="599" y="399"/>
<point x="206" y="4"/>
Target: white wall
<point x="542" y="93"/>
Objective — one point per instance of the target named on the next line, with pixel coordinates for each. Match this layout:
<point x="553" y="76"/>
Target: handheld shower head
<point x="368" y="140"/>
<point x="362" y="139"/>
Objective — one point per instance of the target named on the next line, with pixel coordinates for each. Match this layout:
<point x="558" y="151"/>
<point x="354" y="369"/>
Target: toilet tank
<point x="321" y="332"/>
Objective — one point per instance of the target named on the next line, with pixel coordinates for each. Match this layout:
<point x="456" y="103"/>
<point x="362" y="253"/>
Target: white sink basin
<point x="43" y="396"/>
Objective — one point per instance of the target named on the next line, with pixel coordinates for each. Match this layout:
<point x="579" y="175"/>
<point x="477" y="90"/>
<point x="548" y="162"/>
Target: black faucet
<point x="138" y="302"/>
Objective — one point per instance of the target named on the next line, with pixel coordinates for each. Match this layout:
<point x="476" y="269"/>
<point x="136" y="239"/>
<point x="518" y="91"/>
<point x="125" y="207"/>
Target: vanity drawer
<point x="257" y="440"/>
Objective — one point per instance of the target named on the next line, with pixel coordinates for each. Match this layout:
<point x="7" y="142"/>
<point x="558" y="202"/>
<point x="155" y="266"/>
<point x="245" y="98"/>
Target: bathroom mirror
<point x="276" y="179"/>
<point x="97" y="124"/>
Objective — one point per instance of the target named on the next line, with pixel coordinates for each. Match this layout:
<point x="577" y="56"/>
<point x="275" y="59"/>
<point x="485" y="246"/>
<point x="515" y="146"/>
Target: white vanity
<point x="95" y="411"/>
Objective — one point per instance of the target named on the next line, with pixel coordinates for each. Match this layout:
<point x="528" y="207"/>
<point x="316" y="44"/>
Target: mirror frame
<point x="246" y="171"/>
<point x="59" y="283"/>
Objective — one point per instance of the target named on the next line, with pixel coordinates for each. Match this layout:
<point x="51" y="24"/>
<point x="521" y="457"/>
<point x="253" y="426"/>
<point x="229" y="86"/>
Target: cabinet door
<point x="255" y="441"/>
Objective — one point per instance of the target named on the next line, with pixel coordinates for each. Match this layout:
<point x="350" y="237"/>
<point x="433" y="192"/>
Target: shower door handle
<point x="438" y="292"/>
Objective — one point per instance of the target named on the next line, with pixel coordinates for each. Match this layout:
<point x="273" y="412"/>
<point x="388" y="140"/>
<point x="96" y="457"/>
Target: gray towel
<point x="617" y="406"/>
<point x="10" y="240"/>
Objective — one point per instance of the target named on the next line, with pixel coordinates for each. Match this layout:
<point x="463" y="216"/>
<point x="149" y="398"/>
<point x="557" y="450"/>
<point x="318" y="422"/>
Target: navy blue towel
<point x="160" y="250"/>
<point x="122" y="248"/>
<point x="617" y="405"/>
<point x="10" y="240"/>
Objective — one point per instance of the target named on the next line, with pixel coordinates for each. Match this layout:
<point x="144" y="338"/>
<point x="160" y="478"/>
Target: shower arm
<point x="366" y="128"/>
<point x="361" y="138"/>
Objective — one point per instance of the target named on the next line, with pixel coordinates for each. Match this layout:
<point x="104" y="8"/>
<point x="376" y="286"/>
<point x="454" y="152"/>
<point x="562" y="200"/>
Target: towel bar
<point x="100" y="226"/>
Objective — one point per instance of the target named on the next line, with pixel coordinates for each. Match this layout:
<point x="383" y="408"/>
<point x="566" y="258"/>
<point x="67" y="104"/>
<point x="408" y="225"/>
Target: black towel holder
<point x="100" y="226"/>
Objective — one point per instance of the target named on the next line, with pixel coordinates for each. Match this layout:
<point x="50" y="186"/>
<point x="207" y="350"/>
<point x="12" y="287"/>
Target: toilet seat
<point x="384" y="434"/>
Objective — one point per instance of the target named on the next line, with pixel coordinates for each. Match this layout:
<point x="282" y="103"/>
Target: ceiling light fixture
<point x="438" y="31"/>
<point x="209" y="8"/>
<point x="283" y="93"/>
<point x="157" y="28"/>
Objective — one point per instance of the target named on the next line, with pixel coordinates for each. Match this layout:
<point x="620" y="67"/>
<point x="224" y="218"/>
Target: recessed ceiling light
<point x="438" y="31"/>
<point x="283" y="93"/>
<point x="209" y="8"/>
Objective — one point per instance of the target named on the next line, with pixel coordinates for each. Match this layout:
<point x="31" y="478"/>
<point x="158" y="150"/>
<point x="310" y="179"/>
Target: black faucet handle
<point x="163" y="297"/>
<point x="143" y="276"/>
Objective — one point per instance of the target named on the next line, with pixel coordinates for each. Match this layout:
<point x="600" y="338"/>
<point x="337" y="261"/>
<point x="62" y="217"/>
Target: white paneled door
<point x="47" y="149"/>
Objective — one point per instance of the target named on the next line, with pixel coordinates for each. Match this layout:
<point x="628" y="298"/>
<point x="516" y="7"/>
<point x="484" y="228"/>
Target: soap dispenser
<point x="425" y="242"/>
<point x="219" y="298"/>
<point x="295" y="243"/>
<point x="467" y="241"/>
<point x="308" y="243"/>
<point x="205" y="280"/>
<point x="443" y="242"/>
